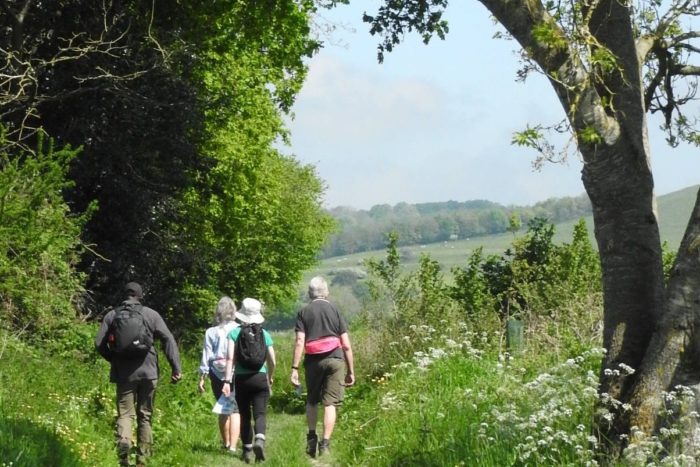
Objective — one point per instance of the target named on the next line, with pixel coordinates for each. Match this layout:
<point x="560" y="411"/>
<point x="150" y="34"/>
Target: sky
<point x="434" y="123"/>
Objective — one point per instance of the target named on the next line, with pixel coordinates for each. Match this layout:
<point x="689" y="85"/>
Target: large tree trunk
<point x="619" y="182"/>
<point x="673" y="356"/>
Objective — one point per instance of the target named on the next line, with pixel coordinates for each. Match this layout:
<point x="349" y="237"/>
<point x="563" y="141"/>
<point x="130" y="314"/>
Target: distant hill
<point x="674" y="211"/>
<point x="425" y="223"/>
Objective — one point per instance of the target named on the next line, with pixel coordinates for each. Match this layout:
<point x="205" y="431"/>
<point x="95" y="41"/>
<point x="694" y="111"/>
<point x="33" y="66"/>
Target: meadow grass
<point x="61" y="412"/>
<point x="464" y="402"/>
<point x="458" y="400"/>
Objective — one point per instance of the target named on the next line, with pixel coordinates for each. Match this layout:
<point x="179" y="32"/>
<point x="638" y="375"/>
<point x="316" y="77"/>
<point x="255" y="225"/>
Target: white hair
<point x="318" y="288"/>
<point x="225" y="310"/>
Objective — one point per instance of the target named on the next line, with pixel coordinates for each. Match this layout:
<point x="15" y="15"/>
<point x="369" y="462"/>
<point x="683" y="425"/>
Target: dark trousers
<point x="252" y="394"/>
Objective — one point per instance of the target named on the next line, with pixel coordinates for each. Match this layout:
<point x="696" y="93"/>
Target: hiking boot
<point x="324" y="447"/>
<point x="259" y="449"/>
<point x="247" y="455"/>
<point x="123" y="453"/>
<point x="311" y="443"/>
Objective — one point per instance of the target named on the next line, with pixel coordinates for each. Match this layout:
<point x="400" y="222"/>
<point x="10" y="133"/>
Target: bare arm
<point x="296" y="358"/>
<point x="271" y="363"/>
<point x="228" y="373"/>
<point x="349" y="359"/>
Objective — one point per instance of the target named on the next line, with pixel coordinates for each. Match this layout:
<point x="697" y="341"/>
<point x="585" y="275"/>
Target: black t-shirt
<point x="318" y="319"/>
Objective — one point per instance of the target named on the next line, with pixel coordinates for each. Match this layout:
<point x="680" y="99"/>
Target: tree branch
<point x="686" y="70"/>
<point x="560" y="61"/>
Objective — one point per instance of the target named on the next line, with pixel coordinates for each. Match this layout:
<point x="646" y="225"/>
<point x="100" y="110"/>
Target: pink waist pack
<point x="322" y="345"/>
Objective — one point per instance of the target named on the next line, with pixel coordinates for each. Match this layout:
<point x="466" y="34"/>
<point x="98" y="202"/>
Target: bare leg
<point x="234" y="429"/>
<point x="329" y="415"/>
<point x="224" y="429"/>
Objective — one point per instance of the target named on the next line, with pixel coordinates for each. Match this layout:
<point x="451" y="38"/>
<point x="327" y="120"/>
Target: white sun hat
<point x="250" y="312"/>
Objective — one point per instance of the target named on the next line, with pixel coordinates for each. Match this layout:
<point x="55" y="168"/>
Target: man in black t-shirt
<point x="322" y="336"/>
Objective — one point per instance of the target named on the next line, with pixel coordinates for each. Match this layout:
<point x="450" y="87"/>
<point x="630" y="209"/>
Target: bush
<point x="39" y="240"/>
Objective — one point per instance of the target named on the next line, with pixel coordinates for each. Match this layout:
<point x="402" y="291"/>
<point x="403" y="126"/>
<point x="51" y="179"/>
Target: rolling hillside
<point x="674" y="210"/>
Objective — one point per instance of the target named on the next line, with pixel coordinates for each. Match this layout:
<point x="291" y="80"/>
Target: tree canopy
<point x="178" y="108"/>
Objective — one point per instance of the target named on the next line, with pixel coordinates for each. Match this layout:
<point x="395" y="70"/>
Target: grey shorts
<point x="325" y="381"/>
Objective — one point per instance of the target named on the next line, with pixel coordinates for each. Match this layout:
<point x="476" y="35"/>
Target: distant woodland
<point x="365" y="230"/>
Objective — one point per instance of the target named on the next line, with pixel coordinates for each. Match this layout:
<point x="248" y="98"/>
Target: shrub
<point x="39" y="239"/>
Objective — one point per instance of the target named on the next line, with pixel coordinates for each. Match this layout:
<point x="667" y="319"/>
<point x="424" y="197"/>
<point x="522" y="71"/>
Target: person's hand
<point x="226" y="389"/>
<point x="175" y="377"/>
<point x="294" y="377"/>
<point x="270" y="379"/>
<point x="201" y="385"/>
<point x="349" y="379"/>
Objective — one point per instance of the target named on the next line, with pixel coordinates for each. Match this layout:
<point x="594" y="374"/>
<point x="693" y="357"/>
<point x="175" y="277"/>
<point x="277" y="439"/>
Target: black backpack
<point x="250" y="347"/>
<point x="130" y="336"/>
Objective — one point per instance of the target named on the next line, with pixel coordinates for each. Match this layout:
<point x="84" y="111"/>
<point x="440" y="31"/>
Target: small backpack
<point x="250" y="347"/>
<point x="129" y="335"/>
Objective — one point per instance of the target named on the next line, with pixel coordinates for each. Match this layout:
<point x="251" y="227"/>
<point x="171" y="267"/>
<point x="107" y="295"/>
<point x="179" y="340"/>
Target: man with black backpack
<point x="125" y="339"/>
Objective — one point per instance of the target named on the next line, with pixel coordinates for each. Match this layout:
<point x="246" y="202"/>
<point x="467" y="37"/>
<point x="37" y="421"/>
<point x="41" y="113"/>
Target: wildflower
<point x="626" y="368"/>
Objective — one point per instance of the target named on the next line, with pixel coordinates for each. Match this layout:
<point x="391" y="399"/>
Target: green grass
<point x="459" y="402"/>
<point x="61" y="412"/>
<point x="462" y="403"/>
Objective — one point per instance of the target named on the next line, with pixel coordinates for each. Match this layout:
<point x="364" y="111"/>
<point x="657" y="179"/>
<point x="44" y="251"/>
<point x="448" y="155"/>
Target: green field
<point x="674" y="210"/>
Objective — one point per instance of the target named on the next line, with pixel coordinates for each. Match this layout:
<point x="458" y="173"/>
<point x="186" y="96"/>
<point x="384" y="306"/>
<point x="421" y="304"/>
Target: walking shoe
<point x="259" y="449"/>
<point x="311" y="443"/>
<point x="247" y="455"/>
<point x="324" y="447"/>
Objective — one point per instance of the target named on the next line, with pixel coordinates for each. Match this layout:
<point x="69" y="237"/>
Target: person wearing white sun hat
<point x="251" y="360"/>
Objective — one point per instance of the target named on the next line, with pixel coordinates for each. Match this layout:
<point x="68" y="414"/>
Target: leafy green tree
<point x="259" y="217"/>
<point x="39" y="242"/>
<point x="388" y="271"/>
<point x="178" y="106"/>
<point x="470" y="288"/>
<point x="610" y="63"/>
